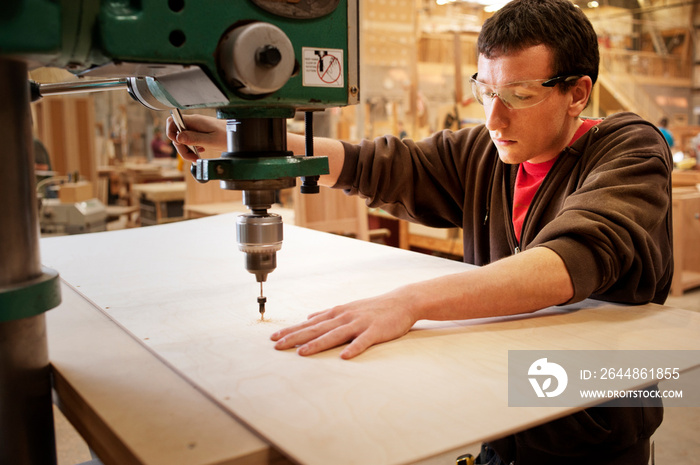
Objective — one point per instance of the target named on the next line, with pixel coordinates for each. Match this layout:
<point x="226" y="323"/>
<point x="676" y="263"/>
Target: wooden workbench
<point x="411" y="235"/>
<point x="160" y="202"/>
<point x="684" y="178"/>
<point x="686" y="236"/>
<point x="198" y="356"/>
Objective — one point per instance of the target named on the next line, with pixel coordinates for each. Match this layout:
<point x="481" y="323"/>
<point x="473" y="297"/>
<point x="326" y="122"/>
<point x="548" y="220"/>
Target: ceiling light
<point x="494" y="6"/>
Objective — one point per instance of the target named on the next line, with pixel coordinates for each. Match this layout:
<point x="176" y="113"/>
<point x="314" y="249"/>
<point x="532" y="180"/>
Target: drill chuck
<point x="259" y="237"/>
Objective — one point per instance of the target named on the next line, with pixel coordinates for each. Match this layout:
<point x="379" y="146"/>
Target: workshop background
<point x="416" y="60"/>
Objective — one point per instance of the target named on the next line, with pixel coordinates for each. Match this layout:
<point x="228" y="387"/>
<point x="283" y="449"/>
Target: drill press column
<point x="26" y="291"/>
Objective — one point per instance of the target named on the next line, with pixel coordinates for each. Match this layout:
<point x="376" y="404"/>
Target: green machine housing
<point x="246" y="58"/>
<point x="256" y="61"/>
<point x="165" y="41"/>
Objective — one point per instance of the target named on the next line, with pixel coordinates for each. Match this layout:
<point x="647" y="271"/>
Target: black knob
<point x="34" y="91"/>
<point x="268" y="55"/>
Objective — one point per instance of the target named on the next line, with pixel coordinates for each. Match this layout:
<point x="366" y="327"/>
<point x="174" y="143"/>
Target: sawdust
<point x="274" y="321"/>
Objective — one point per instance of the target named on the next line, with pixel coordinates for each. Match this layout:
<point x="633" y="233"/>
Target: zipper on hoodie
<point x="510" y="232"/>
<point x="489" y="191"/>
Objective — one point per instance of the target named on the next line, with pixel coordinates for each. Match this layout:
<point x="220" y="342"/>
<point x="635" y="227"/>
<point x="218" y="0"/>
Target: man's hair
<point x="556" y="24"/>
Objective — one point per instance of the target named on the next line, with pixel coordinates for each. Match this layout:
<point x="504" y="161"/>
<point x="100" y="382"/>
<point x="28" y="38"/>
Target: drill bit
<point x="261" y="302"/>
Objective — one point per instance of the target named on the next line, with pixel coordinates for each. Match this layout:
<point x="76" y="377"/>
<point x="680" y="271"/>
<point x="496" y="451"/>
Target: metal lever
<point x="37" y="90"/>
<point x="309" y="184"/>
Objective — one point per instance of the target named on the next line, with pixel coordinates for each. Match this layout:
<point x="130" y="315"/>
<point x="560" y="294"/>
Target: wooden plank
<point x="331" y="210"/>
<point x="183" y="291"/>
<point x="160" y="191"/>
<point x="448" y="246"/>
<point x="689" y="280"/>
<point x="686" y="232"/>
<point x="685" y="178"/>
<point x="130" y="407"/>
<point x="66" y="126"/>
<point x="198" y="193"/>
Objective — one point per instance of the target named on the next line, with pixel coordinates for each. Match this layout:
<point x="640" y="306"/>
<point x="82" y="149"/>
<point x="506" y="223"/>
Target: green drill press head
<point x="248" y="58"/>
<point x="255" y="61"/>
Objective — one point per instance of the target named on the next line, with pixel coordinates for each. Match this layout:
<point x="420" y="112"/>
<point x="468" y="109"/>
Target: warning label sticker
<point x="323" y="67"/>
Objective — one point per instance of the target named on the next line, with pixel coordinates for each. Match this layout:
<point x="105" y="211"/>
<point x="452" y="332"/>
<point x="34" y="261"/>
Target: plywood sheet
<point x="130" y="407"/>
<point x="182" y="290"/>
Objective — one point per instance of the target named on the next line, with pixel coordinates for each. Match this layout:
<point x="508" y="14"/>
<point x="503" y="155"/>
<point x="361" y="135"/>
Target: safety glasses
<point x="518" y="95"/>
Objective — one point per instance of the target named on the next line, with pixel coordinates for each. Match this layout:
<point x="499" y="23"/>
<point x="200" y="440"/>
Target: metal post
<point x="26" y="415"/>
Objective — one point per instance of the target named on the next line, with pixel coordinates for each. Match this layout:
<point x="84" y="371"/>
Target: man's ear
<point x="580" y="94"/>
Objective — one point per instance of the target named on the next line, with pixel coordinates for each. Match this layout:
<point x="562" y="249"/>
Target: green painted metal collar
<point x="250" y="169"/>
<point x="30" y="298"/>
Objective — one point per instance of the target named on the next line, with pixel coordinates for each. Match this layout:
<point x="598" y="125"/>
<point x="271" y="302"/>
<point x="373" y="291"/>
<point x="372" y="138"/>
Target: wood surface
<point x="65" y="125"/>
<point x="160" y="191"/>
<point x="686" y="233"/>
<point x="130" y="407"/>
<point x="181" y="289"/>
<point x="331" y="210"/>
<point x="207" y="193"/>
<point x="685" y="178"/>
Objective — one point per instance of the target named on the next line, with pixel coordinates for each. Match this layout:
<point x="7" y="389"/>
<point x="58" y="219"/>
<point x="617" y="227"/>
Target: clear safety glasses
<point x="518" y="95"/>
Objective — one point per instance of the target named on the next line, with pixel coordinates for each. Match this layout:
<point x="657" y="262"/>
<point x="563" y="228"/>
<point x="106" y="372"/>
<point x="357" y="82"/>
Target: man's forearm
<point x="523" y="283"/>
<point x="330" y="148"/>
<point x="526" y="282"/>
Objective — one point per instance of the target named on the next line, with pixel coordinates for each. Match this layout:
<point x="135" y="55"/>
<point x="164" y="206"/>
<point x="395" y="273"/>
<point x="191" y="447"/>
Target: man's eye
<point x="524" y="94"/>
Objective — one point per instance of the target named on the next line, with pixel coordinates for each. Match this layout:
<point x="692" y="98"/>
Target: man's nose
<point x="496" y="114"/>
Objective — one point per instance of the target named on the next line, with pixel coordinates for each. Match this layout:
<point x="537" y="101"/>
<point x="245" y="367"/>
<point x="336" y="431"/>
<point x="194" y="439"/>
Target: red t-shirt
<point x="531" y="175"/>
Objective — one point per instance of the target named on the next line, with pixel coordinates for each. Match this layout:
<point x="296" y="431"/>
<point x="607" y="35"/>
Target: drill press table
<point x="168" y="362"/>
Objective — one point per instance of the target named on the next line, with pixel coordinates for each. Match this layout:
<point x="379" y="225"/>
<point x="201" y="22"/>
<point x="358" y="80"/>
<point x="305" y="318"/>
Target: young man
<point x="556" y="209"/>
<point x="663" y="127"/>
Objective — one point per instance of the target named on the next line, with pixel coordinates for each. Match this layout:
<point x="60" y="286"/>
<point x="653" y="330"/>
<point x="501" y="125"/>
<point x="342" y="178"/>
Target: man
<point x="663" y="127"/>
<point x="161" y="148"/>
<point x="555" y="209"/>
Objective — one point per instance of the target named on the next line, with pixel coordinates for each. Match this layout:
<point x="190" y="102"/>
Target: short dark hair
<point x="556" y="24"/>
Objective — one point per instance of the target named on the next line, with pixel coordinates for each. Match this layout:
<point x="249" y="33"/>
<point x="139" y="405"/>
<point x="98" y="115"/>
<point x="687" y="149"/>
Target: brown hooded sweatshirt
<point x="604" y="208"/>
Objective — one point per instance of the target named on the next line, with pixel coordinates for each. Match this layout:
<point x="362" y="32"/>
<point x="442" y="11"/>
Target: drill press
<point x="256" y="61"/>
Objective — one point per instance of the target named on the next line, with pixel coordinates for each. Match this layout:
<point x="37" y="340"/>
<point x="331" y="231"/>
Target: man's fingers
<point x="276" y="336"/>
<point x="186" y="153"/>
<point x="200" y="132"/>
<point x="311" y="320"/>
<point x="353" y="323"/>
<point x="358" y="345"/>
<point x="303" y="333"/>
<point x="328" y="340"/>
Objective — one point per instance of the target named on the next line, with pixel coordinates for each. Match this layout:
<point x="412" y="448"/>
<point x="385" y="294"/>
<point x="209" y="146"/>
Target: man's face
<point x="538" y="133"/>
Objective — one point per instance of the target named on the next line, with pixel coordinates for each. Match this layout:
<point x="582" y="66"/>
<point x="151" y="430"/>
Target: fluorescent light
<point x="489" y="5"/>
<point x="494" y="6"/>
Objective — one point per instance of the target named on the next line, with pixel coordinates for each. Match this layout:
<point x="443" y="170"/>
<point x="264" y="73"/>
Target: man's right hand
<point x="204" y="132"/>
